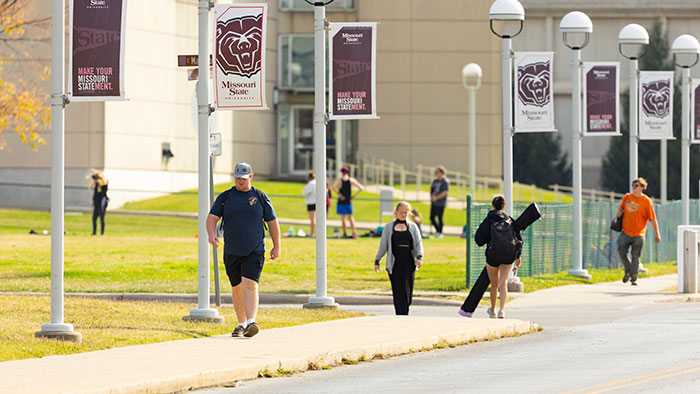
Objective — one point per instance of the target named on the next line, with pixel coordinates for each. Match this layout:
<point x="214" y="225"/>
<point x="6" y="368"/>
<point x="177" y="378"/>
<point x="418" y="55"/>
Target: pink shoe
<point x="465" y="314"/>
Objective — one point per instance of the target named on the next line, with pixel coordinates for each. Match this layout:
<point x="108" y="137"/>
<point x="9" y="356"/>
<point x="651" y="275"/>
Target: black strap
<point x="261" y="197"/>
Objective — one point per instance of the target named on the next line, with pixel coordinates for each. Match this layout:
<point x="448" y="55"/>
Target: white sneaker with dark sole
<point x="491" y="313"/>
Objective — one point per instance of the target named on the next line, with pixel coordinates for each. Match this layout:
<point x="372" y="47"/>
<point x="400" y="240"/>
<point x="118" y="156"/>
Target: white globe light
<point x="576" y="22"/>
<point x="507" y="10"/>
<point x="685" y="44"/>
<point x="471" y="70"/>
<point x="633" y="34"/>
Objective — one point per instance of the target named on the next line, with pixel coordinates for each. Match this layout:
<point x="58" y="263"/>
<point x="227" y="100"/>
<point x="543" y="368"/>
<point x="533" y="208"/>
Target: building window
<point x="296" y="62"/>
<point x="296" y="142"/>
<point x="301" y="5"/>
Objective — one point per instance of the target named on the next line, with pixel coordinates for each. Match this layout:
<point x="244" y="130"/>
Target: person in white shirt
<point x="309" y="194"/>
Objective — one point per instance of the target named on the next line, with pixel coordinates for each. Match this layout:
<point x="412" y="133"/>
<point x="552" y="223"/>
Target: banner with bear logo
<point x="96" y="50"/>
<point x="239" y="55"/>
<point x="655" y="105"/>
<point x="352" y="83"/>
<point x="695" y="111"/>
<point x="601" y="92"/>
<point x="534" y="96"/>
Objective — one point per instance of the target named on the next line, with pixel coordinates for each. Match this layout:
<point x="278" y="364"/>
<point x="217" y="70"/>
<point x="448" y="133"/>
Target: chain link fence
<point x="548" y="243"/>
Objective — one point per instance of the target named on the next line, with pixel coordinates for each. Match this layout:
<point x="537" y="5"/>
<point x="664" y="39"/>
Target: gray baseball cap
<point x="243" y="170"/>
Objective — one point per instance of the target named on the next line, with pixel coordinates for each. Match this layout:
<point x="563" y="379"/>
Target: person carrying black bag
<point x="530" y="215"/>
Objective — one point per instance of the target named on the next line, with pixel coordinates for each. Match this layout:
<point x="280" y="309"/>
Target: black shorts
<point x="311" y="207"/>
<point x="248" y="266"/>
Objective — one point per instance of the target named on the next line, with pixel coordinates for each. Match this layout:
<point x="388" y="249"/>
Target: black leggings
<point x="98" y="212"/>
<point x="402" y="277"/>
<point x="436" y="213"/>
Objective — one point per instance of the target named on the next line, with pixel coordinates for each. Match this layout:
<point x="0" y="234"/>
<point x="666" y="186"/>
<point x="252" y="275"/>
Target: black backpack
<point x="224" y="197"/>
<point x="505" y="245"/>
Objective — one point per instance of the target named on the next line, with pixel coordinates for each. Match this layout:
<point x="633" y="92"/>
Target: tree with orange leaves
<point x="24" y="107"/>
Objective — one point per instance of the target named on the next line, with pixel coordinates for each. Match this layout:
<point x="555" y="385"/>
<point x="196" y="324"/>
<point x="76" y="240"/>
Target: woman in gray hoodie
<point x="401" y="242"/>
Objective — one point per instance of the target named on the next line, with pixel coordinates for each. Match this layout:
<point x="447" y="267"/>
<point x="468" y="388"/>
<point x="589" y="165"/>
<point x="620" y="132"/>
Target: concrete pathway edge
<point x="227" y="376"/>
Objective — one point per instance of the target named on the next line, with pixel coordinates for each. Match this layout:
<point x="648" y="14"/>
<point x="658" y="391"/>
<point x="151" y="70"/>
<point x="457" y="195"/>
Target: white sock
<point x="249" y="321"/>
<point x="242" y="324"/>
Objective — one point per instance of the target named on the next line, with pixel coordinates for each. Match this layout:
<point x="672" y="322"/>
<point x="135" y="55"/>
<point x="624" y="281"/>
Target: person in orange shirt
<point x="638" y="210"/>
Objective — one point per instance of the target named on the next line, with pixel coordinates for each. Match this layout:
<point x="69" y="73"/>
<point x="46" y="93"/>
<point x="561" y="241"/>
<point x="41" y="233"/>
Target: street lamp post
<point x="686" y="51"/>
<point x="58" y="328"/>
<point x="634" y="36"/>
<point x="576" y="28"/>
<point x="322" y="299"/>
<point x="471" y="78"/>
<point x="510" y="12"/>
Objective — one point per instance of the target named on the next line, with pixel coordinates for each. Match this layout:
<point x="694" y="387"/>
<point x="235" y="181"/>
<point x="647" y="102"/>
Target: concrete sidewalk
<point x="195" y="363"/>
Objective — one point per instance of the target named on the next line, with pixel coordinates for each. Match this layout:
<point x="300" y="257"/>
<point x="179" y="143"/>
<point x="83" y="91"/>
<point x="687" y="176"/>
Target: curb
<point x="229" y="376"/>
<point x="265" y="298"/>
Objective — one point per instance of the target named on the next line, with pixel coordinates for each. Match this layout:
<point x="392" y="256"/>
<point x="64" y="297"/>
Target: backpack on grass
<point x="504" y="246"/>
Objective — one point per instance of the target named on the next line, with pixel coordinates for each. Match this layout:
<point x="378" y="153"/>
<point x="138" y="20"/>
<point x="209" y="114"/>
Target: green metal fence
<point x="547" y="244"/>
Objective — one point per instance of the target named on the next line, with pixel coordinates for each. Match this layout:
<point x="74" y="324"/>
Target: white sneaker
<point x="501" y="314"/>
<point x="491" y="313"/>
<point x="438" y="235"/>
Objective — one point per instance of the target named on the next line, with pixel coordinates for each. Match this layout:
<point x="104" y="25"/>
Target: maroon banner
<point x="96" y="50"/>
<point x="601" y="92"/>
<point x="695" y="113"/>
<point x="353" y="72"/>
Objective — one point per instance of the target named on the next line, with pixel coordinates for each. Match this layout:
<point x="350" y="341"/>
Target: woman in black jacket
<point x="99" y="201"/>
<point x="497" y="269"/>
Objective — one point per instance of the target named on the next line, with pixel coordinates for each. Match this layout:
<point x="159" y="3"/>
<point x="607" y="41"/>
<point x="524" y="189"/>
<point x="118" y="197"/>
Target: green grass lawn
<point x="159" y="254"/>
<point x="108" y="324"/>
<point x="541" y="282"/>
<point x="521" y="194"/>
<point x="288" y="203"/>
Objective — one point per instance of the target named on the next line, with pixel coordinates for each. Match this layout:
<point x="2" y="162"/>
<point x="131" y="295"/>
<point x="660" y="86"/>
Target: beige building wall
<point x="421" y="49"/>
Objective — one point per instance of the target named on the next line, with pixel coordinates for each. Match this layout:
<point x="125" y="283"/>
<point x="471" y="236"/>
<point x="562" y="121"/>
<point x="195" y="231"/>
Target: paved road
<point x="652" y="349"/>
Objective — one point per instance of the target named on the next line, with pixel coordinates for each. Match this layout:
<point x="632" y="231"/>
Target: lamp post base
<point x="321" y="303"/>
<point x="207" y="315"/>
<point x="60" y="331"/>
<point x="580" y="274"/>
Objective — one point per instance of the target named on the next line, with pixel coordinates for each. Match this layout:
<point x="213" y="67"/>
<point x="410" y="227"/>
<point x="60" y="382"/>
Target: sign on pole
<point x="534" y="104"/>
<point x="239" y="53"/>
<point x="601" y="92"/>
<point x="96" y="45"/>
<point x="353" y="80"/>
<point x="655" y="105"/>
<point x="695" y="111"/>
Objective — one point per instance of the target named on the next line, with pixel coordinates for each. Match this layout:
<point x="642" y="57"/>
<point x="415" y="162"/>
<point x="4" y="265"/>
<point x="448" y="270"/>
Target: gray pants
<point x="623" y="244"/>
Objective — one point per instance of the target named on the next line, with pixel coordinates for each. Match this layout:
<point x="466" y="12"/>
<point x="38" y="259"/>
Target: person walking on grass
<point x="401" y="242"/>
<point x="438" y="199"/>
<point x="245" y="212"/>
<point x="343" y="188"/>
<point x="504" y="245"/>
<point x="309" y="194"/>
<point x="99" y="200"/>
<point x="638" y="210"/>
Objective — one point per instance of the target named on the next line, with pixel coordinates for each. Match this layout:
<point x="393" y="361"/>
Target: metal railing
<point x="547" y="246"/>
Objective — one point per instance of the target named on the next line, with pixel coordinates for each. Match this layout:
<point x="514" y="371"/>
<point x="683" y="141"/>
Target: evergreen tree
<point x="538" y="160"/>
<point x="615" y="170"/>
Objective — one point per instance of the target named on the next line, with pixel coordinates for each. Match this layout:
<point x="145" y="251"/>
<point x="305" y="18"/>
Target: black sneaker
<point x="634" y="283"/>
<point x="626" y="277"/>
<point x="238" y="332"/>
<point x="634" y="280"/>
<point x="251" y="330"/>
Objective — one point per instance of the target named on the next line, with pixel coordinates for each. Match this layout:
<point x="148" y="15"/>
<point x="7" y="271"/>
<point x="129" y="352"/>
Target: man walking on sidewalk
<point x="638" y="210"/>
<point x="438" y="199"/>
<point x="244" y="210"/>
